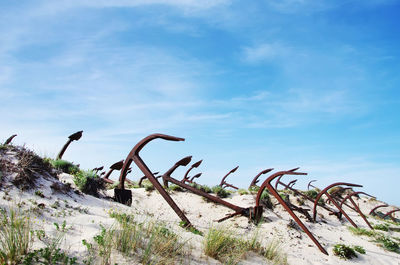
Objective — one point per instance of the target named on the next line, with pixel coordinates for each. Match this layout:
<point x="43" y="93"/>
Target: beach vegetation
<point x="242" y="192"/>
<point x="344" y="252"/>
<point x="222" y="193"/>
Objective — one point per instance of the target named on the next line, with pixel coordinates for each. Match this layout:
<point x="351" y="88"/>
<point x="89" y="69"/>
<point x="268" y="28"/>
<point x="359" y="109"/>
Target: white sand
<point x="84" y="214"/>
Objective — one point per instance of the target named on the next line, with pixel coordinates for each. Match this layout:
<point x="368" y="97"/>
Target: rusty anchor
<point x="325" y="192"/>
<point x="253" y="213"/>
<point x="97" y="169"/>
<point x="310" y="185"/>
<point x="224" y="184"/>
<point x="267" y="184"/>
<point x="278" y="182"/>
<point x="390" y="215"/>
<point x="292" y="183"/>
<point x="256" y="180"/>
<point x="9" y="139"/>
<point x="73" y="137"/>
<point x="336" y="195"/>
<point x="349" y="197"/>
<point x="183" y="162"/>
<point x="124" y="196"/>
<point x="373" y="213"/>
<point x="195" y="165"/>
<point x="195" y="177"/>
<point x="144" y="177"/>
<point x="116" y="166"/>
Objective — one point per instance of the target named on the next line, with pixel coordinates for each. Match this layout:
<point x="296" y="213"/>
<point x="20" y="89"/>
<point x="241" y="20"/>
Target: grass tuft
<point x="221" y="244"/>
<point x="15" y="236"/>
<point x="220" y="191"/>
<point x="242" y="192"/>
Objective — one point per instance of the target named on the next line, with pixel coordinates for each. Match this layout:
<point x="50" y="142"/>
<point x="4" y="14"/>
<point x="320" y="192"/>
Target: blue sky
<point x="257" y="84"/>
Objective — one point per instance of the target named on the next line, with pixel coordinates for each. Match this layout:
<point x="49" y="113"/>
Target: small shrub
<point x="175" y="188"/>
<point x="311" y="193"/>
<point x="88" y="182"/>
<point x="359" y="249"/>
<point x="149" y="187"/>
<point x="242" y="192"/>
<point x="344" y="252"/>
<point x="254" y="189"/>
<point x="65" y="166"/>
<point x="205" y="188"/>
<point x="265" y="199"/>
<point x="388" y="243"/>
<point x="220" y="191"/>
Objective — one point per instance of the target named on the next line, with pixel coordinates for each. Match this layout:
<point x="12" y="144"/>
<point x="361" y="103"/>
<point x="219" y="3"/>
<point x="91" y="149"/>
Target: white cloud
<point x="264" y="52"/>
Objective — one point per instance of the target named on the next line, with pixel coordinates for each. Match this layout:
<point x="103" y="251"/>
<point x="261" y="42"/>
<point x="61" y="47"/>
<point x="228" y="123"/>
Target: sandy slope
<point x="84" y="214"/>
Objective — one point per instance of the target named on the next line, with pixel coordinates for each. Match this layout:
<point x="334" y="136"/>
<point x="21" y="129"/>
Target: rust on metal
<point x="144" y="177"/>
<point x="372" y="212"/>
<point x="183" y="162"/>
<point x="390" y="215"/>
<point x="224" y="184"/>
<point x="310" y="185"/>
<point x="278" y="181"/>
<point x="73" y="137"/>
<point x="116" y="166"/>
<point x="267" y="184"/>
<point x="97" y="169"/>
<point x="8" y="141"/>
<point x="349" y="197"/>
<point x="134" y="156"/>
<point x="256" y="180"/>
<point x="336" y="194"/>
<point x="186" y="176"/>
<point x="325" y="191"/>
<point x="254" y="213"/>
<point x="332" y="212"/>
<point x="195" y="177"/>
<point x="291" y="183"/>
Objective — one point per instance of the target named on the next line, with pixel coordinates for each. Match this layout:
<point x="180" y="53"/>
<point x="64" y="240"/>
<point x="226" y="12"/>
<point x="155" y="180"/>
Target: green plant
<point x="220" y="191"/>
<point x="362" y="231"/>
<point x="311" y="193"/>
<point x="344" y="252"/>
<point x="192" y="229"/>
<point x="254" y="189"/>
<point x="359" y="249"/>
<point x="221" y="244"/>
<point x="39" y="193"/>
<point x="382" y="227"/>
<point x="88" y="182"/>
<point x="15" y="236"/>
<point x="272" y="251"/>
<point x="175" y="187"/>
<point x="387" y="243"/>
<point x="265" y="199"/>
<point x="49" y="256"/>
<point x="242" y="192"/>
<point x="64" y="165"/>
<point x="149" y="187"/>
<point x="205" y="188"/>
<point x="104" y="242"/>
